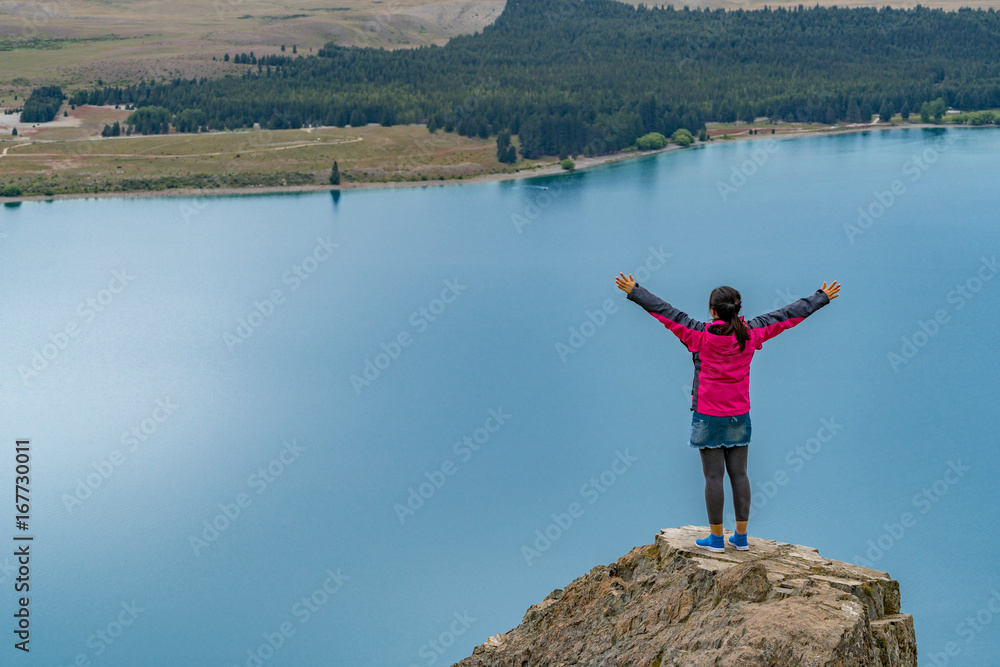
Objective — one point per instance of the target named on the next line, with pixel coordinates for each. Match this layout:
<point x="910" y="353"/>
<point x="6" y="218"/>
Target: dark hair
<point x="726" y="302"/>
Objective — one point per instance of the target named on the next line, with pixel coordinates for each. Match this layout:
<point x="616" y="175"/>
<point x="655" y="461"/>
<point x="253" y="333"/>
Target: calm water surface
<point x="307" y="430"/>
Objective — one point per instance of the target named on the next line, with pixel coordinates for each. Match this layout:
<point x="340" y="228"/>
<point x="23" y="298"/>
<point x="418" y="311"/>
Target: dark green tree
<point x="885" y="112"/>
<point x="682" y="137"/>
<point x="933" y="110"/>
<point x="866" y="112"/>
<point x="938" y="109"/>
<point x="853" y="112"/>
<point x="149" y="120"/>
<point x="335" y="174"/>
<point x="503" y="142"/>
<point x="42" y="105"/>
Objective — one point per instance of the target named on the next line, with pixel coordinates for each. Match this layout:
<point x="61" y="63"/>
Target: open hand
<point x="625" y="284"/>
<point x="832" y="291"/>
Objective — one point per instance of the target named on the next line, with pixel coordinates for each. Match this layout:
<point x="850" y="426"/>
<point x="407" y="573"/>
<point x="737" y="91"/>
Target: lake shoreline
<point x="545" y="170"/>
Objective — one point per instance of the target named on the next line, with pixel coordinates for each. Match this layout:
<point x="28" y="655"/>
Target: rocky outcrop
<point x="672" y="603"/>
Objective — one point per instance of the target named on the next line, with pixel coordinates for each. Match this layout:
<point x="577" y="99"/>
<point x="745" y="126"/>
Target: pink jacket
<point x="721" y="371"/>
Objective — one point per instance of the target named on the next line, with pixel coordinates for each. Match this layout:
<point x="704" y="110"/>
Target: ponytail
<point x="726" y="302"/>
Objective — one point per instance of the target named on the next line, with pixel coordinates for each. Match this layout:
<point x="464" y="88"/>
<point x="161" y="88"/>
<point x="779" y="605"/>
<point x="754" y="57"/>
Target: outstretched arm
<point x="773" y="323"/>
<point x="679" y="323"/>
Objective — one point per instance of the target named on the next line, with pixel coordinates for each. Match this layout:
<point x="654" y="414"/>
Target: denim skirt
<point x="708" y="431"/>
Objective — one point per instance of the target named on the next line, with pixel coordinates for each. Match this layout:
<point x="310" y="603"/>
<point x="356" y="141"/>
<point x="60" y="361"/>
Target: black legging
<point x="715" y="462"/>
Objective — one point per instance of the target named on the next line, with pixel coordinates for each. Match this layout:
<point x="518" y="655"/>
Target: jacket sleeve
<point x="682" y="326"/>
<point x="770" y="325"/>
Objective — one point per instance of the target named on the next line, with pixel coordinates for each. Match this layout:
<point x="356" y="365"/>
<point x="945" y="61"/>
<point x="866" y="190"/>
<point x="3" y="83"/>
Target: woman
<point x="720" y="396"/>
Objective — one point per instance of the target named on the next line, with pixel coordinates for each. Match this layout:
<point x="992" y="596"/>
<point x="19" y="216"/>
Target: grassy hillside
<point x="260" y="158"/>
<point x="78" y="42"/>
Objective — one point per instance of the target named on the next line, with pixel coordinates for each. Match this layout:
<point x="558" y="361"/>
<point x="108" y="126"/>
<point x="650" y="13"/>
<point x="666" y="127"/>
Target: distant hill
<point x="591" y="76"/>
<point x="79" y="42"/>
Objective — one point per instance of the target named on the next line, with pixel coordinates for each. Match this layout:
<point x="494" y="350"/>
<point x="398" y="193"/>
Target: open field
<point x="77" y="43"/>
<point x="245" y="159"/>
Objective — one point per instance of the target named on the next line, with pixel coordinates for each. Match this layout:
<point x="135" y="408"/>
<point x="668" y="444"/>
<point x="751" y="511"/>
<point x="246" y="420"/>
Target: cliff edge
<point x="672" y="603"/>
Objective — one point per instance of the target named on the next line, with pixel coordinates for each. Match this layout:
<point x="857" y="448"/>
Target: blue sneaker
<point x="739" y="541"/>
<point x="713" y="543"/>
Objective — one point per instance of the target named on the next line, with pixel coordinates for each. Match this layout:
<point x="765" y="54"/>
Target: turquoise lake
<point x="318" y="430"/>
